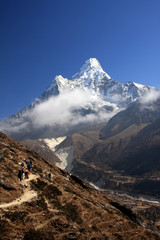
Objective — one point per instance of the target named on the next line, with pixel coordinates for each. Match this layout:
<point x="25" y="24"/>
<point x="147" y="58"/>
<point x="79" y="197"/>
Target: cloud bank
<point x="69" y="109"/>
<point x="62" y="110"/>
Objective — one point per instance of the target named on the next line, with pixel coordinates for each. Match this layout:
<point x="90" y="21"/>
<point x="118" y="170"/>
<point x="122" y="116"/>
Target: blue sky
<point x="44" y="38"/>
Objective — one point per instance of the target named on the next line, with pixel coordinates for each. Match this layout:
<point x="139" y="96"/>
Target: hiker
<point x="50" y="175"/>
<point x="2" y="182"/>
<point x="22" y="164"/>
<point x="31" y="163"/>
<point x="20" y="175"/>
<point x="29" y="167"/>
<point x="23" y="174"/>
<point x="26" y="160"/>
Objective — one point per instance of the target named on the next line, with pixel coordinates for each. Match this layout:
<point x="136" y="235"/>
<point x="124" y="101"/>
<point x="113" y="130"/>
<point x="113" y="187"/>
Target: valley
<point x="147" y="206"/>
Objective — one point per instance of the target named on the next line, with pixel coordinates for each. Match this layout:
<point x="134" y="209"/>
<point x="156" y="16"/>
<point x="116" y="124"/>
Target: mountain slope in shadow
<point x="127" y="154"/>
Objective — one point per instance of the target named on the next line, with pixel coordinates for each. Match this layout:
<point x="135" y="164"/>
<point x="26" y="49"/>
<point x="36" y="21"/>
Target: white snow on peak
<point x="90" y="68"/>
<point x="138" y="85"/>
<point x="62" y="83"/>
<point x="94" y="81"/>
<point x="92" y="63"/>
<point x="59" y="77"/>
<point x="90" y="77"/>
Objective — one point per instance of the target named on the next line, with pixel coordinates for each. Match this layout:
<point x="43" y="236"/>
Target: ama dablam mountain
<point x="91" y="96"/>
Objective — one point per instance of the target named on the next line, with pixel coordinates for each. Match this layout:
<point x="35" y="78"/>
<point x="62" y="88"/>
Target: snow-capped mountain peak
<point x="90" y="96"/>
<point x="91" y="63"/>
<point x="140" y="86"/>
<point x="90" y="68"/>
<point x="92" y="78"/>
<point x="89" y="77"/>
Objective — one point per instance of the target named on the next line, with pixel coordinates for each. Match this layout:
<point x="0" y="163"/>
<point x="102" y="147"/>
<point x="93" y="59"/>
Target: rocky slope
<point x="53" y="204"/>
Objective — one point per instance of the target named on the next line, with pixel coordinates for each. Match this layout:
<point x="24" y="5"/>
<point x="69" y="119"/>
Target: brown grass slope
<point x="63" y="207"/>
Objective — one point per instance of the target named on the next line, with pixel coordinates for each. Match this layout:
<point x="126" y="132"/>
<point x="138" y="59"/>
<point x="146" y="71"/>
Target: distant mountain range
<point x="90" y="97"/>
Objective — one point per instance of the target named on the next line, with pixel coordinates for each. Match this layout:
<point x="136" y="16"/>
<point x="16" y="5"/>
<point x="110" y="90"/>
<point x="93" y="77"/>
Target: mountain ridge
<point x="97" y="97"/>
<point x="91" y="76"/>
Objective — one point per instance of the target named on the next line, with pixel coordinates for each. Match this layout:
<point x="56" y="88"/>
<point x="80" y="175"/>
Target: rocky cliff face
<point x="52" y="204"/>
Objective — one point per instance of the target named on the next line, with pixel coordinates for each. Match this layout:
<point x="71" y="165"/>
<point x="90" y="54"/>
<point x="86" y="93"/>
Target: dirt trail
<point x="26" y="196"/>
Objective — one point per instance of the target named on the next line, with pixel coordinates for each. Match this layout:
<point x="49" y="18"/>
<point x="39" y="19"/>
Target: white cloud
<point x="148" y="100"/>
<point x="151" y="97"/>
<point x="60" y="109"/>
